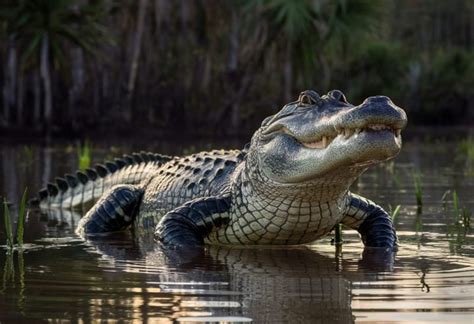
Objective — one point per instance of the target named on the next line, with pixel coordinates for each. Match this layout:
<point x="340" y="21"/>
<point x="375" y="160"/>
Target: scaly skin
<point x="290" y="186"/>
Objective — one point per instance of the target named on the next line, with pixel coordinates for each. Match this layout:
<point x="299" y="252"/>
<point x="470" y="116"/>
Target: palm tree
<point x="348" y="24"/>
<point x="304" y="29"/>
<point x="293" y="26"/>
<point x="45" y="27"/>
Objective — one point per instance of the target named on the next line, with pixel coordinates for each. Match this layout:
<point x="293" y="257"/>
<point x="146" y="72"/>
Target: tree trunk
<point x="19" y="101"/>
<point x="233" y="41"/>
<point x="10" y="80"/>
<point x="232" y="65"/>
<point x="77" y="89"/>
<point x="37" y="99"/>
<point x="288" y="73"/>
<point x="137" y="41"/>
<point x="46" y="78"/>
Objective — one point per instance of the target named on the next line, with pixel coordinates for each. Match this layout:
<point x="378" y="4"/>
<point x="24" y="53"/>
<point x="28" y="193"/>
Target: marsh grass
<point x="466" y="148"/>
<point x="20" y="229"/>
<point x="338" y="234"/>
<point x="444" y="199"/>
<point x="395" y="212"/>
<point x="418" y="189"/>
<point x="84" y="155"/>
<point x="455" y="204"/>
<point x="21" y="219"/>
<point x="461" y="214"/>
<point x="8" y="224"/>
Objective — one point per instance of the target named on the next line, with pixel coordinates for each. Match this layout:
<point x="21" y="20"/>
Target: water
<point x="61" y="278"/>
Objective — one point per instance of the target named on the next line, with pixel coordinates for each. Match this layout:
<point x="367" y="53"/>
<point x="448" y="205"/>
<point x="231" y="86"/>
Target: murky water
<point x="60" y="278"/>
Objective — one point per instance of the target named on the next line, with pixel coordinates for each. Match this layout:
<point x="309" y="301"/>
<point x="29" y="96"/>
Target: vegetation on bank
<point x="221" y="66"/>
<point x="22" y="211"/>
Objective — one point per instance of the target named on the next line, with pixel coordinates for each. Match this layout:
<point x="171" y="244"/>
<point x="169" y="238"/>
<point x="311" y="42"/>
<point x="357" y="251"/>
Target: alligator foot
<point x="113" y="212"/>
<point x="189" y="224"/>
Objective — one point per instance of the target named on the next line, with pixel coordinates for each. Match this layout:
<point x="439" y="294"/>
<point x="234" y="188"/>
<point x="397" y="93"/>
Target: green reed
<point x="444" y="199"/>
<point x="338" y="234"/>
<point x="84" y="155"/>
<point x="418" y="189"/>
<point x="21" y="219"/>
<point x="462" y="215"/>
<point x="20" y="224"/>
<point x="395" y="212"/>
<point x="8" y="224"/>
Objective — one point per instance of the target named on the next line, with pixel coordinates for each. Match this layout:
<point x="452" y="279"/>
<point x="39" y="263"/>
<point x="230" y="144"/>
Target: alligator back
<point x="204" y="174"/>
<point x="85" y="187"/>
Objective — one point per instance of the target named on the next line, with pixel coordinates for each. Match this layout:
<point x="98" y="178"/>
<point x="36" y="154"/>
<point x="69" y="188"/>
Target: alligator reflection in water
<point x="265" y="284"/>
<point x="228" y="281"/>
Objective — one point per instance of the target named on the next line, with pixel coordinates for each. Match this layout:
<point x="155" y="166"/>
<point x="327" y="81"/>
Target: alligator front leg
<point x="190" y="223"/>
<point x="113" y="212"/>
<point x="371" y="221"/>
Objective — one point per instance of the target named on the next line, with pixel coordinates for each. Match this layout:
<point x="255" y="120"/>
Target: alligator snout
<point x="377" y="110"/>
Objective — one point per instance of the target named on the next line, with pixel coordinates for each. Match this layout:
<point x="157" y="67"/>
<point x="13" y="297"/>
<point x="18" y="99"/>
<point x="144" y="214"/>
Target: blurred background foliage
<point x="212" y="66"/>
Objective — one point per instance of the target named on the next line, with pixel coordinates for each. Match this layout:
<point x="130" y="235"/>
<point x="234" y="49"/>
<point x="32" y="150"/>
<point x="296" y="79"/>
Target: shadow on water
<point x="59" y="277"/>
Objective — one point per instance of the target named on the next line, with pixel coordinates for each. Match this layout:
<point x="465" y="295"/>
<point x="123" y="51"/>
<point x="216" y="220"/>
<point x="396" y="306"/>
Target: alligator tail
<point x="85" y="187"/>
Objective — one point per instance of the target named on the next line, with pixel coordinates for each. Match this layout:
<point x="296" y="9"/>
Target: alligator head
<point x="316" y="136"/>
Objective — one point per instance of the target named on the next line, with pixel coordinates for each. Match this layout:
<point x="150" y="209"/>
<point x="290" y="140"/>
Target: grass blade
<point x="84" y="156"/>
<point x="338" y="234"/>
<point x="8" y="224"/>
<point x="21" y="218"/>
<point x="456" y="204"/>
<point x="395" y="213"/>
<point x="418" y="189"/>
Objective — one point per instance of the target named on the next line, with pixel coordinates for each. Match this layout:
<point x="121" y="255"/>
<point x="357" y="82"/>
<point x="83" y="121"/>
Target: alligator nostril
<point x="338" y="95"/>
<point x="376" y="99"/>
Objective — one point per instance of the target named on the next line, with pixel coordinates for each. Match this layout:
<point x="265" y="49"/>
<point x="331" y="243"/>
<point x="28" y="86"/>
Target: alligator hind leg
<point x="113" y="212"/>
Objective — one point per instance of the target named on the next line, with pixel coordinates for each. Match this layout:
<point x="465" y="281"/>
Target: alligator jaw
<point x="323" y="142"/>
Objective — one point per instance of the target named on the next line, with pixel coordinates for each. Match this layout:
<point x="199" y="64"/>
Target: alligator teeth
<point x="319" y="144"/>
<point x="398" y="132"/>
<point x="348" y="132"/>
<point x="378" y="127"/>
<point x="358" y="130"/>
<point x="316" y="144"/>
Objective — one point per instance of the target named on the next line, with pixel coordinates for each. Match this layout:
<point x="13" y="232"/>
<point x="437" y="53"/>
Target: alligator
<point x="289" y="185"/>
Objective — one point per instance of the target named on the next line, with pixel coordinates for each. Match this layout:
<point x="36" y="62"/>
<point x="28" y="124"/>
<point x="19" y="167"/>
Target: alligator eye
<point x="306" y="100"/>
<point x="308" y="97"/>
<point x="338" y="95"/>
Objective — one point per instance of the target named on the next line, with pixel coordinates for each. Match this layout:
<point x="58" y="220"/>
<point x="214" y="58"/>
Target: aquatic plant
<point x="395" y="213"/>
<point x="21" y="222"/>
<point x="21" y="219"/>
<point x="84" y="155"/>
<point x="444" y="199"/>
<point x="462" y="215"/>
<point x="419" y="225"/>
<point x="466" y="218"/>
<point x="455" y="204"/>
<point x="418" y="189"/>
<point x="338" y="234"/>
<point x="466" y="148"/>
<point x="8" y="224"/>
